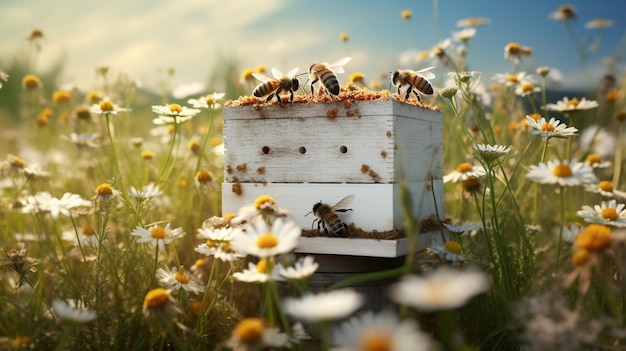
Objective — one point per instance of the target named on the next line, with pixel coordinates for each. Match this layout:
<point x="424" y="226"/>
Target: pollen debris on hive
<point x="365" y="168"/>
<point x="332" y="114"/>
<point x="355" y="232"/>
<point x="260" y="170"/>
<point x="243" y="168"/>
<point x="237" y="189"/>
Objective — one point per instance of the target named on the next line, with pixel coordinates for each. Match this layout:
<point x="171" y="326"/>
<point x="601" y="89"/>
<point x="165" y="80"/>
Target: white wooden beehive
<point x="303" y="153"/>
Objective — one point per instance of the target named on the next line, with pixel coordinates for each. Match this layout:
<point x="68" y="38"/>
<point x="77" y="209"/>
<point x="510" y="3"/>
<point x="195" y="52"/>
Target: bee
<point x="322" y="71"/>
<point x="414" y="81"/>
<point x="328" y="219"/>
<point x="276" y="86"/>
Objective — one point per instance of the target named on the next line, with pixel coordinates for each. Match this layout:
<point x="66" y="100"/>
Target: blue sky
<point x="144" y="38"/>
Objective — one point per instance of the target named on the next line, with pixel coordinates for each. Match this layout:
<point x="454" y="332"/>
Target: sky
<point x="145" y="38"/>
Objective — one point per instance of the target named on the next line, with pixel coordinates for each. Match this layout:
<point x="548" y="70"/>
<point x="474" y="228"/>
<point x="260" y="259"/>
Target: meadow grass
<point x="113" y="237"/>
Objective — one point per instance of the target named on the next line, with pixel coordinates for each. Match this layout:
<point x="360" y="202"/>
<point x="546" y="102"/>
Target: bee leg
<point x="270" y="97"/>
<point x="408" y="93"/>
<point x="418" y="97"/>
<point x="312" y="83"/>
<point x="343" y="210"/>
<point x="291" y="96"/>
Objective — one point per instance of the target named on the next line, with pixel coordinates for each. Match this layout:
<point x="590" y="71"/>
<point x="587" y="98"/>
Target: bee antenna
<point x="308" y="213"/>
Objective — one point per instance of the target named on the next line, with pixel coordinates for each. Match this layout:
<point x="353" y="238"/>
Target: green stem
<point x="617" y="162"/>
<point x="205" y="141"/>
<point x="113" y="153"/>
<point x="558" y="243"/>
<point x="169" y="153"/>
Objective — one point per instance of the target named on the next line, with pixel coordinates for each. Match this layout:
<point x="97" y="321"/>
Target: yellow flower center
<point x="267" y="241"/>
<point x="61" y="96"/>
<point x="36" y="33"/>
<point x="595" y="237"/>
<point x="17" y="162"/>
<point x="375" y="341"/>
<point x="147" y="155"/>
<point x="247" y="74"/>
<point x="82" y="113"/>
<point x="453" y="247"/>
<point x="547" y="127"/>
<point x="175" y="108"/>
<point x="93" y="97"/>
<point x="609" y="213"/>
<point x="106" y="105"/>
<point x="464" y="167"/>
<point x="406" y="14"/>
<point x="535" y="116"/>
<point x="562" y="170"/>
<point x="104" y="189"/>
<point x="203" y="176"/>
<point x="572" y="103"/>
<point x="229" y="216"/>
<point x="580" y="257"/>
<point x="606" y="185"/>
<point x="31" y="81"/>
<point x="612" y="96"/>
<point x="594" y="159"/>
<point x="194" y="146"/>
<point x="471" y="185"/>
<point x="512" y="78"/>
<point x="250" y="330"/>
<point x="356" y="77"/>
<point x="474" y="21"/>
<point x="156" y="298"/>
<point x="263" y="200"/>
<point x="526" y="87"/>
<point x="344" y="37"/>
<point x="513" y="48"/>
<point x="181" y="277"/>
<point x="200" y="262"/>
<point x="88" y="230"/>
<point x="158" y="233"/>
<point x="265" y="266"/>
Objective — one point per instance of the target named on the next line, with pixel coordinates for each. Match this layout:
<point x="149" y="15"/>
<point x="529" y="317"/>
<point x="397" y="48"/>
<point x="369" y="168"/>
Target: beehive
<point x="304" y="153"/>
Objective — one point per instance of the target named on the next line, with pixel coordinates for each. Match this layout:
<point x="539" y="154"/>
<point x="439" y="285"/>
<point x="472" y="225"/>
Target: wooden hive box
<point x="303" y="153"/>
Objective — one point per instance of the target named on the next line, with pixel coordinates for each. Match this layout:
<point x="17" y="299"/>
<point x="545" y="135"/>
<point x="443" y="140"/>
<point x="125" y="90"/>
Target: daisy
<point x="464" y="35"/>
<point x="85" y="237"/>
<point x="565" y="13"/>
<point x="302" y="269"/>
<point x="156" y="235"/>
<point x="439" y="51"/>
<point x="515" y="51"/>
<point x="262" y="241"/>
<point x="70" y="311"/>
<point x="173" y="114"/>
<point x="551" y="129"/>
<point x="106" y="107"/>
<point x="159" y="303"/>
<point x="44" y="202"/>
<point x="491" y="152"/>
<point x="600" y="141"/>
<point x="526" y="89"/>
<point x="605" y="188"/>
<point x="208" y="101"/>
<point x="472" y="22"/>
<point x="176" y="280"/>
<point x="84" y="140"/>
<point x="265" y="270"/>
<point x="570" y="231"/>
<point x="463" y="172"/>
<point x="574" y="105"/>
<point x="264" y="208"/>
<point x="599" y="23"/>
<point x="608" y="212"/>
<point x="252" y="334"/>
<point x="462" y="229"/>
<point x="449" y="251"/>
<point x="595" y="161"/>
<point x="324" y="306"/>
<point x="381" y="331"/>
<point x="511" y="80"/>
<point x="147" y="192"/>
<point x="444" y="288"/>
<point x="218" y="243"/>
<point x="560" y="172"/>
<point x="34" y="172"/>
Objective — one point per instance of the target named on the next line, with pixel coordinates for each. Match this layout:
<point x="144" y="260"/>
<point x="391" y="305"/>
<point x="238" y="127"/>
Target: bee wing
<point x="262" y="77"/>
<point x="337" y="67"/>
<point x="293" y="72"/>
<point x="343" y="203"/>
<point x="277" y="73"/>
<point x="425" y="73"/>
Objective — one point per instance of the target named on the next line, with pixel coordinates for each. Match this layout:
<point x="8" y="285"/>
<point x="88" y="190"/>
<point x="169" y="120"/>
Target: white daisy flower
<point x="260" y="240"/>
<point x="84" y="140"/>
<point x="570" y="232"/>
<point x="551" y="129"/>
<point x="85" y="236"/>
<point x="381" y="331"/>
<point x="106" y="107"/>
<point x="444" y="288"/>
<point x="472" y="22"/>
<point x="157" y="235"/>
<point x="218" y="243"/>
<point x="599" y="140"/>
<point x="562" y="173"/>
<point x="44" y="202"/>
<point x="264" y="208"/>
<point x="463" y="172"/>
<point x="526" y="88"/>
<point x="574" y="105"/>
<point x="303" y="268"/>
<point x="608" y="213"/>
<point x="449" y="251"/>
<point x="265" y="270"/>
<point x="599" y="23"/>
<point x="70" y="311"/>
<point x="208" y="101"/>
<point x="596" y="161"/>
<point x="173" y="114"/>
<point x="511" y="80"/>
<point x="605" y="188"/>
<point x="176" y="280"/>
<point x="463" y="229"/>
<point x="147" y="192"/>
<point x="324" y="306"/>
<point x="464" y="34"/>
<point x="252" y="334"/>
<point x="491" y="152"/>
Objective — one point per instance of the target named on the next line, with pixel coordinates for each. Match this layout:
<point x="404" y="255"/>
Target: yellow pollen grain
<point x="562" y="170"/>
<point x="250" y="330"/>
<point x="464" y="167"/>
<point x="175" y="108"/>
<point x="594" y="159"/>
<point x="158" y="233"/>
<point x="547" y="127"/>
<point x="267" y="241"/>
<point x="609" y="213"/>
<point x="88" y="230"/>
<point x="104" y="189"/>
<point x="595" y="237"/>
<point x="453" y="247"/>
<point x="106" y="105"/>
<point x="606" y="185"/>
<point x="572" y="103"/>
<point x="181" y="277"/>
<point x="156" y="298"/>
<point x="262" y="200"/>
<point x="580" y="257"/>
<point x="375" y="341"/>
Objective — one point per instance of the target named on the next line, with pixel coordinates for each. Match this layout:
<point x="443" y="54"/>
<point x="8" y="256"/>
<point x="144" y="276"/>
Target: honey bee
<point x="328" y="219"/>
<point x="322" y="71"/>
<point x="276" y="86"/>
<point x="414" y="81"/>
